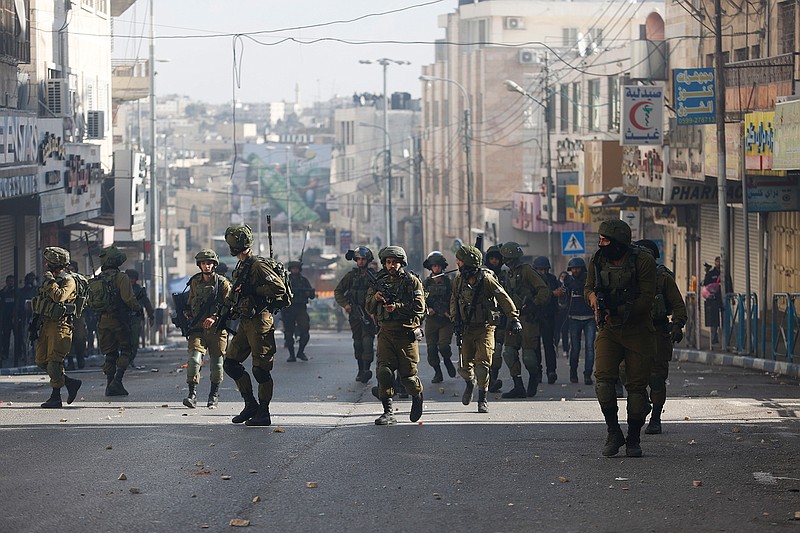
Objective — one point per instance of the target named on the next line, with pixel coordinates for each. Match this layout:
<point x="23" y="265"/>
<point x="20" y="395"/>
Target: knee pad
<point x="530" y="359"/>
<point x="385" y="377"/>
<point x="261" y="375"/>
<point x="656" y="384"/>
<point x="638" y="405"/>
<point x="510" y="355"/>
<point x="233" y="368"/>
<point x="606" y="392"/>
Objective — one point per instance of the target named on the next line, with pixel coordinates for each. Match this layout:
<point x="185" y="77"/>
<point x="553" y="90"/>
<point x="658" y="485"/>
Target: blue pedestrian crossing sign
<point x="573" y="242"/>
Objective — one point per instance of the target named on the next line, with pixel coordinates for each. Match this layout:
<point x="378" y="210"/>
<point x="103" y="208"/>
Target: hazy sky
<point x="201" y="65"/>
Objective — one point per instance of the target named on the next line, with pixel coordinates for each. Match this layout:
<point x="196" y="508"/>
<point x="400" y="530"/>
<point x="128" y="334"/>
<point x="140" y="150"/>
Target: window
<point x="613" y="104"/>
<point x="193" y="215"/>
<point x="435" y="113"/>
<point x="740" y="54"/>
<point x="576" y="107"/>
<point x="596" y="37"/>
<point x="564" y="122"/>
<point x="594" y="105"/>
<point x="569" y="37"/>
<point x="445" y="113"/>
<point x="755" y="51"/>
<point x="786" y="27"/>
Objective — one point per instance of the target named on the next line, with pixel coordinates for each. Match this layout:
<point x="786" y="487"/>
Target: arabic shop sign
<point x="694" y="93"/>
<point x="642" y="115"/>
<point x="787" y="136"/>
<point x="767" y="194"/>
<point x="759" y="138"/>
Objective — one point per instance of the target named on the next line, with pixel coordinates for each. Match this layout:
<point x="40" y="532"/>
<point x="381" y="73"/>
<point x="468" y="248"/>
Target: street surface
<point x="727" y="461"/>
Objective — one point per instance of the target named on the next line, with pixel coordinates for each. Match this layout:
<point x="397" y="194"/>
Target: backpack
<point x="101" y="293"/>
<point x="286" y="299"/>
<point x="82" y="285"/>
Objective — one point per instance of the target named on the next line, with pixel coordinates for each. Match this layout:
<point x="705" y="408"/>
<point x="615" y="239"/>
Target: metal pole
<point x="549" y="187"/>
<point x="258" y="193"/>
<point x="748" y="319"/>
<point x="387" y="157"/>
<point x="289" y="207"/>
<point x="154" y="229"/>
<point x="722" y="191"/>
<point x="468" y="155"/>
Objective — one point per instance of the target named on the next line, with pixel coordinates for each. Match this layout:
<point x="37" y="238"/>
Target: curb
<point x="741" y="361"/>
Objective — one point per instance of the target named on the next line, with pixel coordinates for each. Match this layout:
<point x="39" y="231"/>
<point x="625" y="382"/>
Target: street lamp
<point x="467" y="143"/>
<point x="385" y="62"/>
<point x="515" y="87"/>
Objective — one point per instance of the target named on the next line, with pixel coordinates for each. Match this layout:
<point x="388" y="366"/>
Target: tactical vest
<point x="620" y="283"/>
<point x="203" y="294"/>
<point x="516" y="286"/>
<point x="45" y="307"/>
<point x="357" y="293"/>
<point x="661" y="310"/>
<point x="437" y="293"/>
<point x="482" y="310"/>
<point x="403" y="287"/>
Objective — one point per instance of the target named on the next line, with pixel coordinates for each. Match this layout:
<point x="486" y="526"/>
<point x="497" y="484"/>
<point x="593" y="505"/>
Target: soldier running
<point x="351" y="294"/>
<point x="438" y="323"/>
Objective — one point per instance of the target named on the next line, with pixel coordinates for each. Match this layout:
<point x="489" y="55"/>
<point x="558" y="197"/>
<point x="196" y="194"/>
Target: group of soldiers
<point x="494" y="307"/>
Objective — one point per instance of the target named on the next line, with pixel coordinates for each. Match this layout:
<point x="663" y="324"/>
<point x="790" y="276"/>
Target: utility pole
<point x="549" y="187"/>
<point x="468" y="155"/>
<point x="722" y="190"/>
<point x="155" y="263"/>
<point x="387" y="156"/>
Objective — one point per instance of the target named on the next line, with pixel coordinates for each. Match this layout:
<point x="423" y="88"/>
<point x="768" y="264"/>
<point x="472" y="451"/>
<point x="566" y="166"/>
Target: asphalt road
<point x="727" y="460"/>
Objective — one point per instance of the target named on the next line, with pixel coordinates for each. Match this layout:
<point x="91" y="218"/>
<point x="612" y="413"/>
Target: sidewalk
<point x="707" y="357"/>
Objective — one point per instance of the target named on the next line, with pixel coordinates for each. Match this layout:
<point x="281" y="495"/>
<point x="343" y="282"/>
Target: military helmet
<point x="56" y="256"/>
<point x="493" y="251"/>
<point x="206" y="254"/>
<point x="616" y="230"/>
<point x="435" y="258"/>
<point x="294" y="264"/>
<point x="541" y="262"/>
<point x="649" y="246"/>
<point x="396" y="252"/>
<point x="363" y="251"/>
<point x="112" y="257"/>
<point x="470" y="256"/>
<point x="511" y="250"/>
<point x="239" y="238"/>
<point x="221" y="269"/>
<point x="576" y="262"/>
<point x="133" y="274"/>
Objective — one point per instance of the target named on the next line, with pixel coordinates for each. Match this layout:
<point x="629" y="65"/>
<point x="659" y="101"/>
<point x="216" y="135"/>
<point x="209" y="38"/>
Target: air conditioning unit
<point x="514" y="23"/>
<point x="95" y="124"/>
<point x="58" y="99"/>
<point x="528" y="56"/>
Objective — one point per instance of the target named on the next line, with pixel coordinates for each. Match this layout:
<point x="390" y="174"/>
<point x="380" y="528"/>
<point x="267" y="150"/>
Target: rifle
<point x="305" y="240"/>
<point x="444" y="273"/>
<point x="600" y="293"/>
<point x="225" y="310"/>
<point x="269" y="234"/>
<point x="479" y="242"/>
<point x="375" y="282"/>
<point x="89" y="251"/>
<point x="34" y="329"/>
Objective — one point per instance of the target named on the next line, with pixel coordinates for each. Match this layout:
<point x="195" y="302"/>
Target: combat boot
<point x="261" y="418"/>
<point x="191" y="400"/>
<point x="291" y="358"/>
<point x="213" y="396"/>
<point x="437" y="374"/>
<point x="654" y="426"/>
<point x="109" y="379"/>
<point x="518" y="391"/>
<point x="367" y="374"/>
<point x="552" y="377"/>
<point x="301" y="351"/>
<point x="448" y="364"/>
<point x="533" y="385"/>
<point x="249" y="411"/>
<point x="72" y="388"/>
<point x="466" y="398"/>
<point x="416" y="408"/>
<point x="115" y="388"/>
<point x="495" y="384"/>
<point x="483" y="406"/>
<point x="54" y="401"/>
<point x="633" y="447"/>
<point x="360" y="374"/>
<point x="587" y="379"/>
<point x="387" y="418"/>
<point x="614" y="442"/>
<point x="573" y="375"/>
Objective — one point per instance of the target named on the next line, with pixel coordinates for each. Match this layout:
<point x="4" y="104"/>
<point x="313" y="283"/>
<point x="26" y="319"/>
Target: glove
<point x="514" y="326"/>
<point x="48" y="276"/>
<point x="677" y="333"/>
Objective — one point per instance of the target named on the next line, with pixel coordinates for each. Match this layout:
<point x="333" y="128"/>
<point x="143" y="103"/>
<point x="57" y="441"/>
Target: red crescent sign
<point x="632" y="115"/>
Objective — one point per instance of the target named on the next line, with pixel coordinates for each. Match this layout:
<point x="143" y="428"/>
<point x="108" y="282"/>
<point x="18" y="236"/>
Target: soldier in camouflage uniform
<point x="438" y="324"/>
<point x="494" y="261"/>
<point x="256" y="288"/>
<point x="530" y="293"/>
<point x="351" y="294"/>
<point x="474" y="307"/>
<point x="399" y="314"/>
<point x="114" y="326"/>
<point x="668" y="303"/>
<point x="295" y="317"/>
<point x="55" y="307"/>
<point x="140" y="293"/>
<point x="207" y="290"/>
<point x="620" y="288"/>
